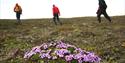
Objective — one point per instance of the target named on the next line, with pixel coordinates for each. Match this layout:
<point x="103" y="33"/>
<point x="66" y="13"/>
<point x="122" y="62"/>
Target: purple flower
<point x="69" y="57"/>
<point x="78" y="56"/>
<point x="86" y="59"/>
<point x="29" y="54"/>
<point x="61" y="45"/>
<point x="80" y="60"/>
<point x="32" y="52"/>
<point x="42" y="55"/>
<point x="36" y="49"/>
<point x="45" y="55"/>
<point x="79" y="50"/>
<point x="91" y="57"/>
<point x="62" y="52"/>
<point x="44" y="45"/>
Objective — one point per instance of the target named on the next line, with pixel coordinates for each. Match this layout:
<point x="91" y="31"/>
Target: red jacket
<point x="56" y="10"/>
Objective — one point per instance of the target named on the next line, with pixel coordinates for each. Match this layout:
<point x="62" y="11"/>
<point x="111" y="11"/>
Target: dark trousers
<point x="18" y="16"/>
<point x="100" y="12"/>
<point x="56" y="18"/>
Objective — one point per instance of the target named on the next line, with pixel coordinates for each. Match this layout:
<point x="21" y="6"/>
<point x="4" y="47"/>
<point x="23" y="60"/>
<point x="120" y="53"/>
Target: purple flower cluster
<point x="60" y="50"/>
<point x="69" y="57"/>
<point x="91" y="57"/>
<point x="63" y="45"/>
<point x="32" y="52"/>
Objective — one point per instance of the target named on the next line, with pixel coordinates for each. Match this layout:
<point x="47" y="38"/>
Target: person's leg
<point x="58" y="19"/>
<point x="54" y="19"/>
<point x="106" y="16"/>
<point x="99" y="17"/>
<point x="18" y="17"/>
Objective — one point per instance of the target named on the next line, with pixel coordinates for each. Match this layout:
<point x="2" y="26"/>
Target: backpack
<point x="102" y="4"/>
<point x="18" y="9"/>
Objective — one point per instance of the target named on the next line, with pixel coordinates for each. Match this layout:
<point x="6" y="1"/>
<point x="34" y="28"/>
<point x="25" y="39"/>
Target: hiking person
<point x="18" y="11"/>
<point x="56" y="14"/>
<point x="102" y="10"/>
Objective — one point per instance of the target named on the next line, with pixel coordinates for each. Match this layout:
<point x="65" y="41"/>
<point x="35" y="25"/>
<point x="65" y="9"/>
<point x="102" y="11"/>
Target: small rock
<point x="34" y="27"/>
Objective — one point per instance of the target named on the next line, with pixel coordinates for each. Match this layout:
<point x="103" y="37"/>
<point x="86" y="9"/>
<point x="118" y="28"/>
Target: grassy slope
<point x="105" y="39"/>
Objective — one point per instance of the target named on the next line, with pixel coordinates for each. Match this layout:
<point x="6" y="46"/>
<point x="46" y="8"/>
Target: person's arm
<point x="14" y="9"/>
<point x="20" y="9"/>
<point x="58" y="11"/>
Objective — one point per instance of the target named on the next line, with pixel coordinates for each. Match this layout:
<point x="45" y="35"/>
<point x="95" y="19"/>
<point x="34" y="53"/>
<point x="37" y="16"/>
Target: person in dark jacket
<point x="18" y="11"/>
<point x="56" y="14"/>
<point x="102" y="10"/>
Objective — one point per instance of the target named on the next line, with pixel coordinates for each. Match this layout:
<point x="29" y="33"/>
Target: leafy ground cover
<point x="105" y="39"/>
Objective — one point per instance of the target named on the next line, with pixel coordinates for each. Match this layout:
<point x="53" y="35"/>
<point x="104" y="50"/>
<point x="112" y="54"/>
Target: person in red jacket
<point x="56" y="14"/>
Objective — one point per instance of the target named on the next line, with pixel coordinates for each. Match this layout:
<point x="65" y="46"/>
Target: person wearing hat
<point x="56" y="14"/>
<point x="102" y="10"/>
<point x="18" y="11"/>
